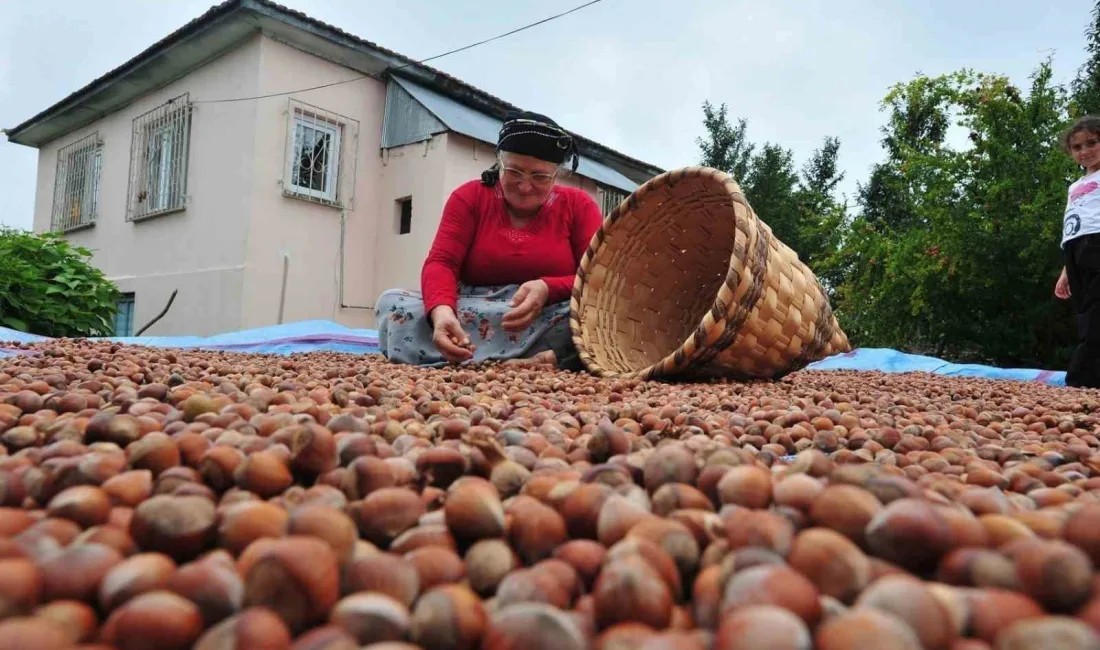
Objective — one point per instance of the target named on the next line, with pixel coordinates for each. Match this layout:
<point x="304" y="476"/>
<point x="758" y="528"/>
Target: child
<point x="1080" y="279"/>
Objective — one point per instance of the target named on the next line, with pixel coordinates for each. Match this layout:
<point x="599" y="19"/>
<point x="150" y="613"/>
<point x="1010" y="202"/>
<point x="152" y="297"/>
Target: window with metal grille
<point x="124" y="318"/>
<point x="76" y="184"/>
<point x="610" y="199"/>
<point x="314" y="154"/>
<point x="158" y="160"/>
<point x="404" y="215"/>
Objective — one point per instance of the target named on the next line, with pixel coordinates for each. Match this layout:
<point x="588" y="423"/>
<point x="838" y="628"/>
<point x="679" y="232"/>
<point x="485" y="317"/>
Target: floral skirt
<point x="405" y="335"/>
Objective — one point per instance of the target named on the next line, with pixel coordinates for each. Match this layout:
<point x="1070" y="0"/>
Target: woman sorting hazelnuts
<point x="496" y="283"/>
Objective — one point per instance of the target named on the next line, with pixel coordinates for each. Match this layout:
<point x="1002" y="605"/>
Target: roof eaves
<point x="439" y="80"/>
<point x="197" y="24"/>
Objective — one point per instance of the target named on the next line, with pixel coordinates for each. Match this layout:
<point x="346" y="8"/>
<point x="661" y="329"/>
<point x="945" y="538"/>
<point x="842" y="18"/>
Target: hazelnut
<point x="835" y="565"/>
<point x="488" y="562"/>
<point x="747" y="486"/>
<point x="865" y="628"/>
<point x="213" y="585"/>
<point x="85" y="505"/>
<point x="384" y="573"/>
<point x="325" y="637"/>
<point x="436" y="566"/>
<point x="135" y="575"/>
<point x="371" y="617"/>
<point x="264" y="473"/>
<point x="773" y="584"/>
<point x="76" y="571"/>
<point x="20" y="587"/>
<point x="449" y="617"/>
<point x="584" y="555"/>
<point x="296" y="577"/>
<point x="180" y="527"/>
<point x="758" y="626"/>
<point x="1056" y="574"/>
<point x="533" y="626"/>
<point x="255" y="627"/>
<point x="910" y="533"/>
<point x="846" y="509"/>
<point x="158" y="619"/>
<point x="536" y="529"/>
<point x="386" y="513"/>
<point x="19" y="633"/>
<point x="1048" y="632"/>
<point x="473" y="511"/>
<point x="327" y="523"/>
<point x="910" y="601"/>
<point x="628" y="589"/>
<point x="421" y="536"/>
<point x="78" y="620"/>
<point x="243" y="523"/>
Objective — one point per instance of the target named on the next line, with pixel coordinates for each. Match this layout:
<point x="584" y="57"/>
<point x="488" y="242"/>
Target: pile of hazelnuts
<point x="176" y="499"/>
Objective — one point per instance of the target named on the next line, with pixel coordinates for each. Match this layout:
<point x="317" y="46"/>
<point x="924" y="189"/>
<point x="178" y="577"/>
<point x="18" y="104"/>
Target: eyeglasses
<point x="538" y="179"/>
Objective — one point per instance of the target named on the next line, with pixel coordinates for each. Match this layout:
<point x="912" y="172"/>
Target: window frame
<point x="304" y="116"/>
<point x="399" y="213"/>
<point x="169" y="126"/>
<point x="83" y="157"/>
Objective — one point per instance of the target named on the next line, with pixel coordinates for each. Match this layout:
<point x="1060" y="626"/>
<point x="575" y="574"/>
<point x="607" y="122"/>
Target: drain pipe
<point x="282" y="291"/>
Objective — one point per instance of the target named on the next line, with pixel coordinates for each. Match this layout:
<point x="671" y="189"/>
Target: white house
<point x="295" y="205"/>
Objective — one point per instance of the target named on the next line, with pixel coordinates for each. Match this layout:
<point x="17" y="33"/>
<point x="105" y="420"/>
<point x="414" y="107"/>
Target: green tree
<point x="1086" y="86"/>
<point x="48" y="287"/>
<point x="955" y="251"/>
<point x="801" y="210"/>
<point x="725" y="146"/>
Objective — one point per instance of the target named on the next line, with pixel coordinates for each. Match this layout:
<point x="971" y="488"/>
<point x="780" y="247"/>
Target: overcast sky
<point x="631" y="74"/>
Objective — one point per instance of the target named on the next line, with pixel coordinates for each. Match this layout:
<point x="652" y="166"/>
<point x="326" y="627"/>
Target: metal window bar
<point x="76" y="184"/>
<point x="610" y="199"/>
<point x="158" y="159"/>
<point x="321" y="155"/>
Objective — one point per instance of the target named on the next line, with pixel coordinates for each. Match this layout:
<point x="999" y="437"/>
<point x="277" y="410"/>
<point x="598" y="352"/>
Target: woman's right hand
<point x="448" y="337"/>
<point x="1061" y="288"/>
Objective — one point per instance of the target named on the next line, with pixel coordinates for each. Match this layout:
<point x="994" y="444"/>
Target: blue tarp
<point x="887" y="360"/>
<point x="302" y="336"/>
<point x="313" y="335"/>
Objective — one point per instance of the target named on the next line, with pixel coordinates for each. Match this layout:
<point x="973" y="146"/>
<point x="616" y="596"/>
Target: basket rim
<point x="691" y="352"/>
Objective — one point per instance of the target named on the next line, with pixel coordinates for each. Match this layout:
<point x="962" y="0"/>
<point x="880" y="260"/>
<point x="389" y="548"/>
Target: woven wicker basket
<point x="683" y="281"/>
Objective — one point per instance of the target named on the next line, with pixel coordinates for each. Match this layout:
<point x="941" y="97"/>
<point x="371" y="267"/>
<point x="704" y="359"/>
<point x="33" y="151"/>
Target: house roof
<point x="224" y="26"/>
<point x="479" y="126"/>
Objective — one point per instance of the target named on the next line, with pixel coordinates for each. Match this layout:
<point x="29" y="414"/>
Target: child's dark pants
<point x="1083" y="271"/>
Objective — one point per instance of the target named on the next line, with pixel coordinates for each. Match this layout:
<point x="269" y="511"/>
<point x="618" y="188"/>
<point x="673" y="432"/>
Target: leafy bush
<point x="48" y="287"/>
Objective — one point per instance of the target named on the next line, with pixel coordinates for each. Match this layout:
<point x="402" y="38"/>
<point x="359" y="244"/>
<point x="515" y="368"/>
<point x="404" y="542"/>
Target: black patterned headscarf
<point x="535" y="135"/>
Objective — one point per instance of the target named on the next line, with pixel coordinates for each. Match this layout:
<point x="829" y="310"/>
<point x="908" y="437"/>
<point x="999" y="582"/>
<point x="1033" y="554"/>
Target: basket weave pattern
<point x="683" y="280"/>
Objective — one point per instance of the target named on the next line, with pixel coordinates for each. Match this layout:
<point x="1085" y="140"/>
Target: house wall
<point x="199" y="251"/>
<point x="419" y="171"/>
<point x="309" y="234"/>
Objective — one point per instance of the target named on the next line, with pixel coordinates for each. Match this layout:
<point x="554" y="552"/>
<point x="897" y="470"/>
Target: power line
<point x="404" y="65"/>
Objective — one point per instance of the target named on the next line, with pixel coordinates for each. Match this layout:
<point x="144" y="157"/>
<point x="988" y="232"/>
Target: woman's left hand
<point x="528" y="302"/>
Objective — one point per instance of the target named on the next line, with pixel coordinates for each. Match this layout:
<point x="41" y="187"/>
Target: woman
<point x="497" y="280"/>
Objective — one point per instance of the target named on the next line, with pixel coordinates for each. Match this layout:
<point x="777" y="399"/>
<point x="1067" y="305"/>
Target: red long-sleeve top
<point x="477" y="245"/>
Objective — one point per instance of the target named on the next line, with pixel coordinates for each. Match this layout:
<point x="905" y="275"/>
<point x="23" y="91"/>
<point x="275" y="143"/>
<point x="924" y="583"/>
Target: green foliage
<point x="1086" y="87"/>
<point x="800" y="208"/>
<point x="953" y="248"/>
<point x="48" y="287"/>
<point x="955" y="251"/>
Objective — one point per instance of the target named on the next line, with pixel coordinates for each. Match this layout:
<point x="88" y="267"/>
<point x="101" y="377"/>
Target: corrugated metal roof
<point x="475" y="124"/>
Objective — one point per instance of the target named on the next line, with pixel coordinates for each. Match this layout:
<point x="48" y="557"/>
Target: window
<point x="76" y="184"/>
<point x="610" y="199"/>
<point x="158" y="160"/>
<point x="124" y="319"/>
<point x="404" y="215"/>
<point x="314" y="159"/>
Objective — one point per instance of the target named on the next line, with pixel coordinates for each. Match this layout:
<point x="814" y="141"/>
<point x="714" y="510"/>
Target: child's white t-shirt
<point x="1082" y="215"/>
